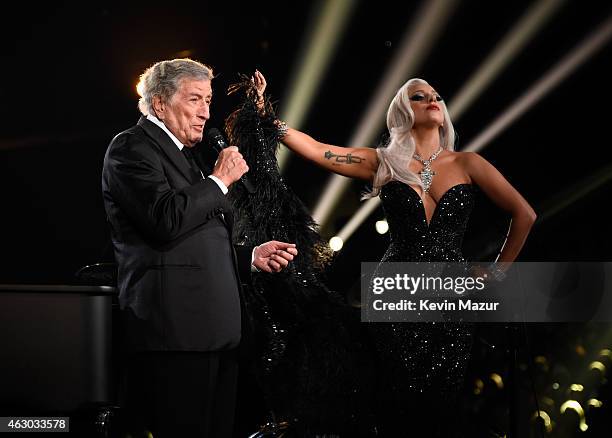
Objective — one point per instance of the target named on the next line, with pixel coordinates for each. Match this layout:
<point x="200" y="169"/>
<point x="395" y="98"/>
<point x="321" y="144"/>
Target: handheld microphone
<point x="217" y="142"/>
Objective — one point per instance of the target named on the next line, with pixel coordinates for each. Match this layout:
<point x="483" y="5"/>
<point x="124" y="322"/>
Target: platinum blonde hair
<point x="394" y="159"/>
<point x="163" y="79"/>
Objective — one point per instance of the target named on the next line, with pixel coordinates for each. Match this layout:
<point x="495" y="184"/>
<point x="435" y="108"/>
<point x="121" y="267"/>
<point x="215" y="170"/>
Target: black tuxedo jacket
<point x="178" y="273"/>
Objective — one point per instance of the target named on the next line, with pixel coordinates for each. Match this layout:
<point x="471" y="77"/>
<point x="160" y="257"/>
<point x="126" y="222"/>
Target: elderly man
<point x="178" y="272"/>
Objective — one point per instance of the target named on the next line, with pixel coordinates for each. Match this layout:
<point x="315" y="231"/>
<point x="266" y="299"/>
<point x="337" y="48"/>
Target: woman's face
<point x="426" y="105"/>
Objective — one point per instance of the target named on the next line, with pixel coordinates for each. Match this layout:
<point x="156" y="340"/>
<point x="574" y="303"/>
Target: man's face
<point x="188" y="110"/>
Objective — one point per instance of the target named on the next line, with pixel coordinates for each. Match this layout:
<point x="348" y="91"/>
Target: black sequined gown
<point x="421" y="366"/>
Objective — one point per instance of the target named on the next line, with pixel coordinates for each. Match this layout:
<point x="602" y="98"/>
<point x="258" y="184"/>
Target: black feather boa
<point x="304" y="335"/>
<point x="274" y="211"/>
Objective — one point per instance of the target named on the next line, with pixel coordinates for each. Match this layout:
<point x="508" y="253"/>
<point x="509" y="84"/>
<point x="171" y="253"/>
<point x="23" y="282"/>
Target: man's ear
<point x="159" y="106"/>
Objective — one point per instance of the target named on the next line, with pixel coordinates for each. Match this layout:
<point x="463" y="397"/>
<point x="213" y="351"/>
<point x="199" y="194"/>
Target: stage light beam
<point x="322" y="43"/>
<point x="505" y="51"/>
<point x="553" y="77"/>
<point x="424" y="30"/>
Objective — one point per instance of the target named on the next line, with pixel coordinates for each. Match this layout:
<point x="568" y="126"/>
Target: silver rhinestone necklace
<point x="426" y="173"/>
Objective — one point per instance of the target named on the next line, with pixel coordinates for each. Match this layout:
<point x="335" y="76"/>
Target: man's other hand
<point x="274" y="256"/>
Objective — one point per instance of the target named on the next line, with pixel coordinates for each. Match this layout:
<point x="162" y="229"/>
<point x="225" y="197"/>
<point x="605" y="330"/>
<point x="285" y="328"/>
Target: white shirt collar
<point x="180" y="145"/>
<point x="159" y="123"/>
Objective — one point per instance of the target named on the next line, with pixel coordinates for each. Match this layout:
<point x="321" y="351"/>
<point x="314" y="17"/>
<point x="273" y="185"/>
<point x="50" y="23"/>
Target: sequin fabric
<point x="422" y="365"/>
<point x="412" y="238"/>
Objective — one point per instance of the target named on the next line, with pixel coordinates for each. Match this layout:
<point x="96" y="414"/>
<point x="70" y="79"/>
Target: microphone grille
<point x="214" y="133"/>
<point x="215" y="139"/>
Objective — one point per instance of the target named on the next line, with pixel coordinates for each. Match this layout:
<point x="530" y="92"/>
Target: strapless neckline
<point x="440" y="200"/>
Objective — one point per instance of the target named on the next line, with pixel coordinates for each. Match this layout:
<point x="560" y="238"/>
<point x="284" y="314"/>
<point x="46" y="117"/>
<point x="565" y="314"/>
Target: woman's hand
<point x="260" y="85"/>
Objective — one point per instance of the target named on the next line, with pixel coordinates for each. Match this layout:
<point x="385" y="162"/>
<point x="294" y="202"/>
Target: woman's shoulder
<point x="473" y="163"/>
<point x="466" y="158"/>
<point x="469" y="163"/>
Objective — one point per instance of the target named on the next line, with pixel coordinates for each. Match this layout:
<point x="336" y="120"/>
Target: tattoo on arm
<point x="344" y="159"/>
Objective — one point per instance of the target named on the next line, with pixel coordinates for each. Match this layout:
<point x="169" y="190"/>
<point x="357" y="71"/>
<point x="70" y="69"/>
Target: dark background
<point x="68" y="80"/>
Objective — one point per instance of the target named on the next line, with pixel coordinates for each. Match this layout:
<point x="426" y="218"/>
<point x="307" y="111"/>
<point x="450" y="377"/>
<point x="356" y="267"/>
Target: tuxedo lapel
<point x="228" y="218"/>
<point x="168" y="147"/>
<point x="206" y="169"/>
<point x="178" y="159"/>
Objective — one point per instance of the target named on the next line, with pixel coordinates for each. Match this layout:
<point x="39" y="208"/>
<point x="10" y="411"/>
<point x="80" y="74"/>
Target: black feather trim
<point x="305" y="346"/>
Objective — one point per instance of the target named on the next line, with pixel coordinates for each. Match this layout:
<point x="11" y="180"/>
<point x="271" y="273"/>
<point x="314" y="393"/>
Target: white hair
<point x="394" y="159"/>
<point x="163" y="79"/>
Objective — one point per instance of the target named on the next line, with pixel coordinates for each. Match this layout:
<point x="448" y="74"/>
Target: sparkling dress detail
<point x="421" y="366"/>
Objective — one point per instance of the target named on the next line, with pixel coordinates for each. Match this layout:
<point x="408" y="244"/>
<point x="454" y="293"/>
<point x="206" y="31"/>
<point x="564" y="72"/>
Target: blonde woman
<point x="426" y="189"/>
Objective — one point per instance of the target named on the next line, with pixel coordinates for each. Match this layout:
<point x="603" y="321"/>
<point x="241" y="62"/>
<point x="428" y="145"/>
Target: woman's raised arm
<point x="352" y="162"/>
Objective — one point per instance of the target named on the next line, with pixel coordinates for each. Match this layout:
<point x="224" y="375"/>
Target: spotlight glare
<point x="576" y="387"/>
<point x="382" y="226"/>
<point x="336" y="243"/>
<point x="497" y="379"/>
<point x="575" y="406"/>
<point x="478" y="386"/>
<point x="597" y="365"/>
<point x="594" y="403"/>
<point x="545" y="418"/>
